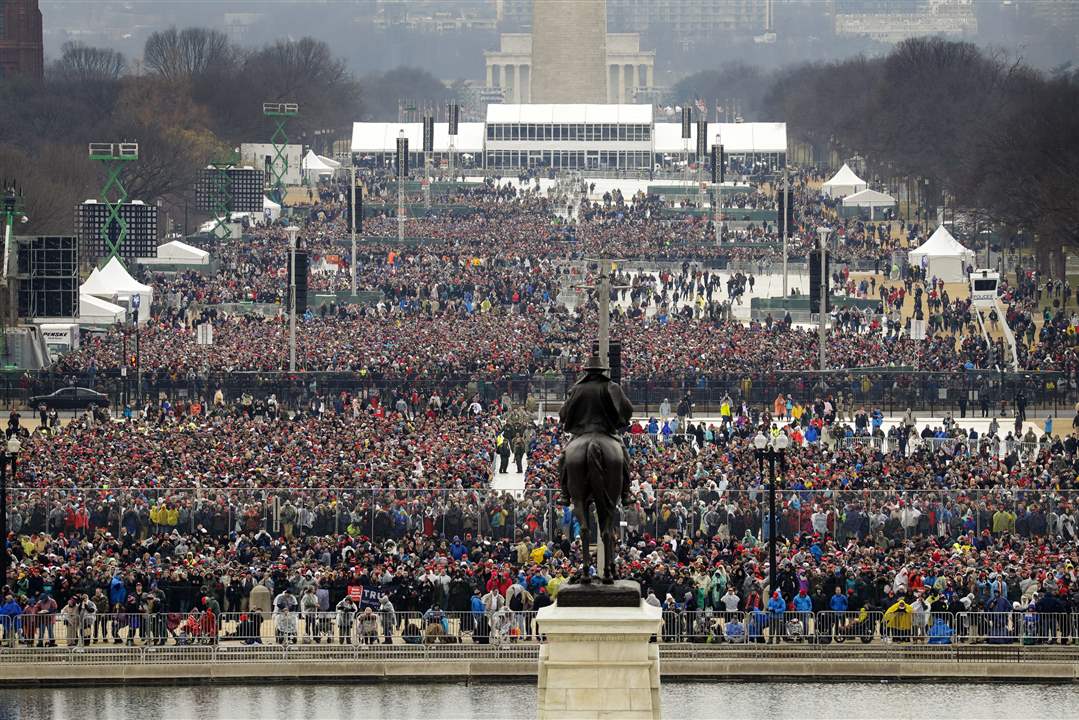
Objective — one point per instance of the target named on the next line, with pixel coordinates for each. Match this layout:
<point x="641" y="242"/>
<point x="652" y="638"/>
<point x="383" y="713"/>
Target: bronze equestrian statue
<point x="594" y="467"/>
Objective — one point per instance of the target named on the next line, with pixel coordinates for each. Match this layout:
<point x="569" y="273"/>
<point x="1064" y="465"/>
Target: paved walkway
<point x="512" y="481"/>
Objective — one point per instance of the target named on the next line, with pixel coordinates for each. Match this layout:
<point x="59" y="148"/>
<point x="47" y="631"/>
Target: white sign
<point x="204" y="334"/>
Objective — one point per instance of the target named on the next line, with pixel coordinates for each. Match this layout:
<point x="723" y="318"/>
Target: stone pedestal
<point x="597" y="662"/>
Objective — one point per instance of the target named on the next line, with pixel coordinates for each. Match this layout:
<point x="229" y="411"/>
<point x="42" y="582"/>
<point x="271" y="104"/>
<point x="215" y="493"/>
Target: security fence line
<point x="892" y="390"/>
<point x="81" y="629"/>
<point x="396" y="513"/>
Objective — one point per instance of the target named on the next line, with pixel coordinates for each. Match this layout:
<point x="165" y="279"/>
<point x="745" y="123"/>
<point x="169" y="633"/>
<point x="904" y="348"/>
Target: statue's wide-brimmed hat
<point x="595" y="363"/>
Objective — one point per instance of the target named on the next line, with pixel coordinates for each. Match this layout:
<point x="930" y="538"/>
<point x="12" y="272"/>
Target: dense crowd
<point x="496" y="292"/>
<point x="205" y="505"/>
<point x="520" y="316"/>
<point x="192" y="507"/>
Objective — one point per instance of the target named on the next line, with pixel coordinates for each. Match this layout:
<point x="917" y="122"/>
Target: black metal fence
<point x="977" y="392"/>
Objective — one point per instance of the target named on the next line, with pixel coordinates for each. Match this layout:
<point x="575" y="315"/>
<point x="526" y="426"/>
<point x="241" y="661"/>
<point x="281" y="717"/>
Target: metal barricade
<point x="847" y="625"/>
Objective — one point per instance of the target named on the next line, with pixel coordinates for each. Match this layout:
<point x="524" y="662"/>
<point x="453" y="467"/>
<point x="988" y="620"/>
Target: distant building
<point x="929" y="17"/>
<point x="684" y="21"/>
<point x="689" y="20"/>
<point x="21" y="49"/>
<point x="569" y="52"/>
<point x="630" y="70"/>
<point x="431" y="17"/>
<point x="608" y="137"/>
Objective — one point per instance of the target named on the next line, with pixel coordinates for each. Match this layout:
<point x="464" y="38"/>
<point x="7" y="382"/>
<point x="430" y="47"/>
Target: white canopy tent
<point x="115" y="284"/>
<point x="316" y="166"/>
<point x="180" y="253"/>
<point x="943" y="257"/>
<point x="95" y="311"/>
<point x="270" y="210"/>
<point x="843" y="183"/>
<point x="871" y="199"/>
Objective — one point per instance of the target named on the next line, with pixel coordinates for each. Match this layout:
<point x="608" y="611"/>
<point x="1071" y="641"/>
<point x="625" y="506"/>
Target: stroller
<point x="285" y="627"/>
<point x="795" y="630"/>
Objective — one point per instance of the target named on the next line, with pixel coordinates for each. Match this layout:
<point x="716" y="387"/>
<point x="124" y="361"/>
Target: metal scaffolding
<point x="279" y="112"/>
<point x="222" y="196"/>
<point x="114" y="156"/>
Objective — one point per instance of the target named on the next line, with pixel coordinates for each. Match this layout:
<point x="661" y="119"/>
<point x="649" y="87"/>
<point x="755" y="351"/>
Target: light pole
<point x="783" y="224"/>
<point x="822" y="329"/>
<point x="352" y="259"/>
<point x="777" y="449"/>
<point x="402" y="173"/>
<point x="765" y="450"/>
<point x="292" y="231"/>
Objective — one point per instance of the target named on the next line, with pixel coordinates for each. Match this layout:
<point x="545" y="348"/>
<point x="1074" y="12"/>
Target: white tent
<point x="180" y="253"/>
<point x="235" y="222"/>
<point x="95" y="311"/>
<point x="115" y="284"/>
<point x="270" y="210"/>
<point x="943" y="257"/>
<point x="870" y="199"/>
<point x="843" y="183"/>
<point x="316" y="166"/>
<point x="330" y="161"/>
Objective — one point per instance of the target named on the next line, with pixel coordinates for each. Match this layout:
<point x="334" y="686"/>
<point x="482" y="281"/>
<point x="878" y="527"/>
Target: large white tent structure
<point x="115" y="284"/>
<point x="270" y="210"/>
<point x="843" y="183"/>
<point x="943" y="257"/>
<point x="315" y="166"/>
<point x="871" y="199"/>
<point x="176" y="252"/>
<point x="95" y="311"/>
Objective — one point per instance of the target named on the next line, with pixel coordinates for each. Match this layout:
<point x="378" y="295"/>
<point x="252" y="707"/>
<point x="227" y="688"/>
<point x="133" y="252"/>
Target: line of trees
<point x="995" y="137"/>
<point x="191" y="97"/>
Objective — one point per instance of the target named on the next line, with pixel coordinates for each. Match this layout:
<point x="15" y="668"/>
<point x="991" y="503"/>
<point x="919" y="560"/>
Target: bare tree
<point x="80" y="63"/>
<point x="188" y="54"/>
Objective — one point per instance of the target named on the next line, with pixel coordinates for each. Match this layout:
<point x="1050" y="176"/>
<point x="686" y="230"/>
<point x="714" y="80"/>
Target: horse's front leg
<point x="586" y="554"/>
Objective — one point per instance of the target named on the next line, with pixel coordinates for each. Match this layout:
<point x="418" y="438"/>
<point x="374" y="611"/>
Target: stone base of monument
<point x="597" y="661"/>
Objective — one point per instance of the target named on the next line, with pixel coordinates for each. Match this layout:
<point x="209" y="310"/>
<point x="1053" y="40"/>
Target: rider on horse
<point x="596" y="405"/>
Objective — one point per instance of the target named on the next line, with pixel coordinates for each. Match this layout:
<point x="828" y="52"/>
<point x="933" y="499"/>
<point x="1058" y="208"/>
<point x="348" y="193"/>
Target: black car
<point x="71" y="398"/>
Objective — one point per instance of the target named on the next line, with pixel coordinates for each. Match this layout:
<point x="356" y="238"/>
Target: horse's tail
<point x="598" y="464"/>
<point x="594" y="453"/>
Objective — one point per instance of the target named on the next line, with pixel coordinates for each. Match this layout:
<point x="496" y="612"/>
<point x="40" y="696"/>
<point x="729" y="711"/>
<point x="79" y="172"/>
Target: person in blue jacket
<point x="479" y="620"/>
<point x="758" y="620"/>
<point x="9" y="619"/>
<point x="457" y="548"/>
<point x="776" y="608"/>
<point x="940" y="632"/>
<point x="832" y="620"/>
<point x="838" y="601"/>
<point x="117" y="599"/>
<point x="803" y="607"/>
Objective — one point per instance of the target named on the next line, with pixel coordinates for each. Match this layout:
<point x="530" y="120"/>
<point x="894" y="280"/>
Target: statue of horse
<point x="592" y="472"/>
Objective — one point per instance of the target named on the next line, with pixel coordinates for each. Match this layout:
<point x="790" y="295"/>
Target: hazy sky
<point x="1042" y="32"/>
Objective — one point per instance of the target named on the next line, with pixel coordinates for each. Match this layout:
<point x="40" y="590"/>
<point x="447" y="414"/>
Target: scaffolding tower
<point x="114" y="156"/>
<point x="279" y="112"/>
<point x="222" y="196"/>
<point x="10" y="210"/>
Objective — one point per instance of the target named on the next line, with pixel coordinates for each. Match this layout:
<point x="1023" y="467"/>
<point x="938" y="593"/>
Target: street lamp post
<point x="771" y="451"/>
<point x="352" y="259"/>
<point x="822" y="328"/>
<point x="783" y="224"/>
<point x="292" y="231"/>
<point x="402" y="174"/>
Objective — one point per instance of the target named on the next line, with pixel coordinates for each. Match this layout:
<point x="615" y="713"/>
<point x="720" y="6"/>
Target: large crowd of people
<point x="168" y="518"/>
<point x="192" y="507"/>
<point x="497" y="291"/>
